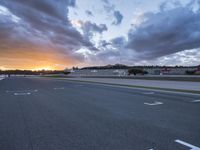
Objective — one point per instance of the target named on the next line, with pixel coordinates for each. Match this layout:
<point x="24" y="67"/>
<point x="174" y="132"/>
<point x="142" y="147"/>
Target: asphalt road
<point x="49" y="114"/>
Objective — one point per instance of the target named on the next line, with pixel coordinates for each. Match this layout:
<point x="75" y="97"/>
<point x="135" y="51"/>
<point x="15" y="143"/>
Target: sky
<point x="58" y="34"/>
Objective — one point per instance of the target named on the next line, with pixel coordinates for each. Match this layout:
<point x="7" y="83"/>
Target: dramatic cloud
<point x="88" y="13"/>
<point x="110" y="9"/>
<point x="117" y="18"/>
<point x="170" y="36"/>
<point x="118" y="42"/>
<point x="166" y="32"/>
<point x="89" y="29"/>
<point x="188" y="57"/>
<point x="105" y="1"/>
<point x="39" y="25"/>
<point x="63" y="33"/>
<point x="103" y="44"/>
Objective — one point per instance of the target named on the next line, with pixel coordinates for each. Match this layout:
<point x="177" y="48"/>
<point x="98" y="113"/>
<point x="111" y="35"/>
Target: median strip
<point x="132" y="86"/>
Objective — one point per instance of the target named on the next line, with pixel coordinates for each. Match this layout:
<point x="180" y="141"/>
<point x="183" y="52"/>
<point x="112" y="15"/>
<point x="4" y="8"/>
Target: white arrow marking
<point x="195" y="101"/>
<point x="148" y="93"/>
<point x="187" y="144"/>
<point x="17" y="94"/>
<point x="155" y="103"/>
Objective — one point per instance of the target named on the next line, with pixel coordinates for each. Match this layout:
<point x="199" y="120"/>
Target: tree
<point x="190" y="72"/>
<point x="136" y="71"/>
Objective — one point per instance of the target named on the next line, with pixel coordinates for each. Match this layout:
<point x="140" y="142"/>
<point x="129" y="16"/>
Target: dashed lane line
<point x="153" y="104"/>
<point x="19" y="94"/>
<point x="22" y="91"/>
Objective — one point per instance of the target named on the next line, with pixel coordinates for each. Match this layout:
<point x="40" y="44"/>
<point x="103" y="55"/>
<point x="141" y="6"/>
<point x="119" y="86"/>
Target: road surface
<point x="49" y="114"/>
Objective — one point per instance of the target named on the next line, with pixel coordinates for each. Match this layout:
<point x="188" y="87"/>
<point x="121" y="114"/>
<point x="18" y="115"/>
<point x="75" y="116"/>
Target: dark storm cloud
<point x="103" y="44"/>
<point x="89" y="29"/>
<point x="117" y="18"/>
<point x="27" y="24"/>
<point x="72" y="3"/>
<point x="105" y="1"/>
<point x="110" y="9"/>
<point x="88" y="13"/>
<point x="118" y="42"/>
<point x="166" y="32"/>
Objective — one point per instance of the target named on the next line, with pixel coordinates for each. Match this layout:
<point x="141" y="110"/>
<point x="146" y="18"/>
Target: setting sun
<point x="43" y="68"/>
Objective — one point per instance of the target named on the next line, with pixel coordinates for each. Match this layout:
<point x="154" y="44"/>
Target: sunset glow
<point x="35" y="60"/>
<point x="50" y="34"/>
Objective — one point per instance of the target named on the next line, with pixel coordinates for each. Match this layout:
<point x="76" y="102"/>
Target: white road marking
<point x="153" y="104"/>
<point x="17" y="94"/>
<point x="21" y="91"/>
<point x="187" y="144"/>
<point x="59" y="88"/>
<point x="148" y="93"/>
<point x="195" y="101"/>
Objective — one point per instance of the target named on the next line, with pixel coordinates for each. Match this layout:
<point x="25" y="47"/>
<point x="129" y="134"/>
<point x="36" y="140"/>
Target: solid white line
<point x="153" y="104"/>
<point x="16" y="94"/>
<point x="187" y="144"/>
<point x="195" y="101"/>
